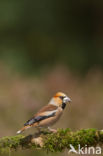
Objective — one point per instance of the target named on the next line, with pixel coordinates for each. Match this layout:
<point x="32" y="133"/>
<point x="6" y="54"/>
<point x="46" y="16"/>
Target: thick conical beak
<point x="67" y="99"/>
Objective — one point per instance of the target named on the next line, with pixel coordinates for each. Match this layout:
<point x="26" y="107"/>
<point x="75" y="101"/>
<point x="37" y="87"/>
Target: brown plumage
<point x="49" y="114"/>
<point x="49" y="107"/>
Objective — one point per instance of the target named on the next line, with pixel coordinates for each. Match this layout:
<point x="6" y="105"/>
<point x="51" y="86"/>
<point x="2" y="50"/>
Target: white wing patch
<point x="50" y="112"/>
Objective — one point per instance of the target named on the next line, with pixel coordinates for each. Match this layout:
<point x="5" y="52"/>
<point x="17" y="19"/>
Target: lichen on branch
<point x="53" y="141"/>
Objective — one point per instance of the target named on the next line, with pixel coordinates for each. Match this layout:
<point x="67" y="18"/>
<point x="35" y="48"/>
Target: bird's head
<point x="60" y="99"/>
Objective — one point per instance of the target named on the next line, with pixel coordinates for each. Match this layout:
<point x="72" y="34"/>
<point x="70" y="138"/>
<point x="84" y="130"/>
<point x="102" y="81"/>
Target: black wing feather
<point x="37" y="119"/>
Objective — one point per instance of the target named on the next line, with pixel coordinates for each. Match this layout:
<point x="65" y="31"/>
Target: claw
<point x="52" y="130"/>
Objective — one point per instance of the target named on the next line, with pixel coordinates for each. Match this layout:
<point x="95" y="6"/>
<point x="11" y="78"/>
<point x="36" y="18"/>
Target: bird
<point x="49" y="114"/>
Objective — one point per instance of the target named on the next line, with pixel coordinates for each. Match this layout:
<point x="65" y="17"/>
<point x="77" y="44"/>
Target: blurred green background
<point x="45" y="47"/>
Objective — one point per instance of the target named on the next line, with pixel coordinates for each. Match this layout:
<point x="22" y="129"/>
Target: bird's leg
<point x="39" y="129"/>
<point x="52" y="130"/>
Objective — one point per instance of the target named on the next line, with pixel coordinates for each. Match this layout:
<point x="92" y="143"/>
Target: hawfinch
<point x="49" y="114"/>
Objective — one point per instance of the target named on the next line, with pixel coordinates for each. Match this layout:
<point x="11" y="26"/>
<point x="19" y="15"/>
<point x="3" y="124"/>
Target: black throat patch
<point x="63" y="105"/>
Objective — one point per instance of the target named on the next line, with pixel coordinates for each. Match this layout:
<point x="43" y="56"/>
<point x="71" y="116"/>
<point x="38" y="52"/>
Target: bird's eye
<point x="61" y="97"/>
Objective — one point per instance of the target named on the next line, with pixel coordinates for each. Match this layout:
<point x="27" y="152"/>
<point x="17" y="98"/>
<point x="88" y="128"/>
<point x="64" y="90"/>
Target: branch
<point x="53" y="141"/>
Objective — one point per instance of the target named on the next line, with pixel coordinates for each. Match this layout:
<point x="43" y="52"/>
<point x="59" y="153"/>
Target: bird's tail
<point x="23" y="129"/>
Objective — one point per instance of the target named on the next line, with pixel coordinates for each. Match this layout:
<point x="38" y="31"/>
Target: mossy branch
<point x="53" y="141"/>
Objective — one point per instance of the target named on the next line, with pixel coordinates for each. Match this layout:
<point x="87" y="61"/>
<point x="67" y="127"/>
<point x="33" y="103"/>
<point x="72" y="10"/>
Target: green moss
<point x="84" y="137"/>
<point x="8" y="143"/>
<point x="63" y="138"/>
<point x="54" y="141"/>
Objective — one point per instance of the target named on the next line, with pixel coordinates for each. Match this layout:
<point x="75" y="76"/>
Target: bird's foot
<point x="52" y="130"/>
<point x="42" y="130"/>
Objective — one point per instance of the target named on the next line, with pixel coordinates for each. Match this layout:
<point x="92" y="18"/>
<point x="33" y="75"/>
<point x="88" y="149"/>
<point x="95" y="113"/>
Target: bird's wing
<point x="41" y="116"/>
<point x="49" y="107"/>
